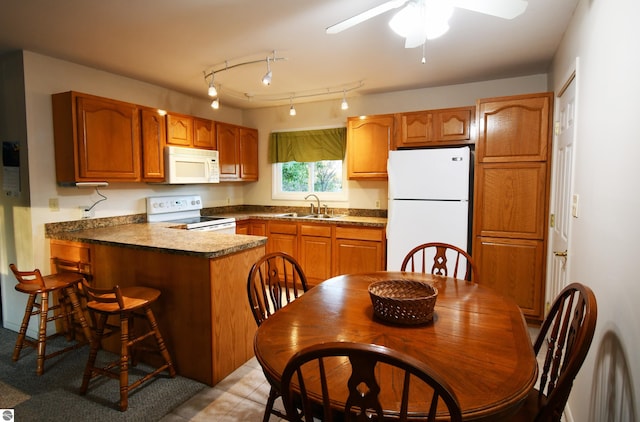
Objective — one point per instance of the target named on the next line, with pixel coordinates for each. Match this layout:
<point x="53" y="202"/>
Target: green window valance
<point x="308" y="145"/>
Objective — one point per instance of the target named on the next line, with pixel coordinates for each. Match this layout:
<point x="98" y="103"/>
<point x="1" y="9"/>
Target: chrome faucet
<point x="317" y="199"/>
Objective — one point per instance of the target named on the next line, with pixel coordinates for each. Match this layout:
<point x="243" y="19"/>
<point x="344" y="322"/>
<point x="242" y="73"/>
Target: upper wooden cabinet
<point x="238" y="152"/>
<point x="368" y="142"/>
<point x="204" y="135"/>
<point x="179" y="130"/>
<point x="500" y="141"/>
<point x="451" y="126"/>
<point x="95" y="139"/>
<point x="154" y="137"/>
<point x="248" y="144"/>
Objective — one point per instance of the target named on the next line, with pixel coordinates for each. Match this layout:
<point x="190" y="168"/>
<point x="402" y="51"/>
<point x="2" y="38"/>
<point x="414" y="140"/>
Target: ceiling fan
<point x="420" y="20"/>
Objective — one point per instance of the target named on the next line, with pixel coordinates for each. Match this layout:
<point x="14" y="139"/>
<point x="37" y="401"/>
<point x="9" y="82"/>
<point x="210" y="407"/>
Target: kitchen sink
<point x="323" y="216"/>
<point x="311" y="216"/>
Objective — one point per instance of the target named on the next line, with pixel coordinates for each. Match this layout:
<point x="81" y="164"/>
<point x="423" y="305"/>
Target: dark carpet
<point x="54" y="395"/>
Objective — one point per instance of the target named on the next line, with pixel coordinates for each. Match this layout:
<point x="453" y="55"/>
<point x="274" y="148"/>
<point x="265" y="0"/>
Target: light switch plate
<point x="574" y="205"/>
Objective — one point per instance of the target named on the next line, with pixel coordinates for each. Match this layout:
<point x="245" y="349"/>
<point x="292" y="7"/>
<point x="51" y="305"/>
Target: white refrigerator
<point x="428" y="200"/>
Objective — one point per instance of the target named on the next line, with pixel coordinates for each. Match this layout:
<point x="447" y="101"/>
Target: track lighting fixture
<point x="213" y="92"/>
<point x="292" y="109"/>
<point x="215" y="104"/>
<point x="266" y="79"/>
<point x="209" y="76"/>
<point x="344" y="105"/>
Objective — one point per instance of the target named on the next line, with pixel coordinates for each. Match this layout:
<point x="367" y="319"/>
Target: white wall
<point x="364" y="194"/>
<point x="604" y="239"/>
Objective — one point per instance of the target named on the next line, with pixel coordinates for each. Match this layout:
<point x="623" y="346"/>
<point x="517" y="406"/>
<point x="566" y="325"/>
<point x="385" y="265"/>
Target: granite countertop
<point x="134" y="232"/>
<point x="342" y="219"/>
<point x="161" y="237"/>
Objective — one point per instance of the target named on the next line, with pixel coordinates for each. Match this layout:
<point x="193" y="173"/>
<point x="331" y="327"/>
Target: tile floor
<point x="239" y="397"/>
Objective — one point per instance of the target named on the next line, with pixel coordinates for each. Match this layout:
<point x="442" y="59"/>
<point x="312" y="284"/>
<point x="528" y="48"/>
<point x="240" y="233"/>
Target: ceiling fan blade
<point x="366" y="15"/>
<point x="506" y="9"/>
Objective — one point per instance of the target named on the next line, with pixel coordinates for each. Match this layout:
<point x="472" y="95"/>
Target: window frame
<point x="276" y="183"/>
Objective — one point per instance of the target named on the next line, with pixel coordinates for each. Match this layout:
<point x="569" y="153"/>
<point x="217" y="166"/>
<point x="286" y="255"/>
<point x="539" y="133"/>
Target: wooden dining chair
<point x="274" y="281"/>
<point x="564" y="339"/>
<point x="434" y="257"/>
<point x="315" y="368"/>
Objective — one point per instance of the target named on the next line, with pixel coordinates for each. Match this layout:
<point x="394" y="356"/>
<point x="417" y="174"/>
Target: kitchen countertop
<point x="161" y="237"/>
<point x="135" y="232"/>
<point x="343" y="219"/>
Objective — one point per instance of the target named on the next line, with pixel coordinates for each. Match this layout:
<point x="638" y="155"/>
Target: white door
<point x="565" y="204"/>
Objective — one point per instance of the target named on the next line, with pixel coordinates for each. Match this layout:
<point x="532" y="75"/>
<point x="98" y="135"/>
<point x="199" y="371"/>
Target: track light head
<point x="266" y="79"/>
<point x="344" y="105"/>
<point x="292" y="109"/>
<point x="215" y="104"/>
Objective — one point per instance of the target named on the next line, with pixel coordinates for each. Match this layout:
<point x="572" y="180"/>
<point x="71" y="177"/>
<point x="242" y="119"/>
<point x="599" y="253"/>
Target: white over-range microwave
<point x="191" y="165"/>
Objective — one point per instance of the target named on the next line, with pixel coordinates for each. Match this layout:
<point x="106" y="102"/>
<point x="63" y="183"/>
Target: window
<point x="294" y="180"/>
<point x="307" y="162"/>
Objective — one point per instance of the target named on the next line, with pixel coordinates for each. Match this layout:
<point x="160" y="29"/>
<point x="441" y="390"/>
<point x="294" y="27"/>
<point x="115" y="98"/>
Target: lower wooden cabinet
<point x="315" y="252"/>
<point x="72" y="252"/>
<point x="282" y="237"/>
<point x="252" y="227"/>
<point x="514" y="267"/>
<point x="358" y="250"/>
<point x="323" y="250"/>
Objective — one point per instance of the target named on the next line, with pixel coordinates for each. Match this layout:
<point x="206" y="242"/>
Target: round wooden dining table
<point x="478" y="340"/>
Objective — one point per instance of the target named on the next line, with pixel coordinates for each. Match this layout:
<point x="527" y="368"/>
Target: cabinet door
<point x="227" y="137"/>
<point x="358" y="249"/>
<point x="179" y="130"/>
<point x="108" y="135"/>
<point x="315" y="252"/>
<point x="153" y="141"/>
<point x="248" y="154"/>
<point x="283" y="237"/>
<point x="258" y="228"/>
<point x="242" y="227"/>
<point x="514" y="129"/>
<point x="416" y="129"/>
<point x="511" y="200"/>
<point x="514" y="267"/>
<point x="368" y="141"/>
<point x="204" y="134"/>
<point x="452" y="126"/>
<point x="73" y="252"/>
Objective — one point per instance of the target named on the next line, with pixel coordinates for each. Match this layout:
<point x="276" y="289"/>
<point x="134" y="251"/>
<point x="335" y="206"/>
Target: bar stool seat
<point x="127" y="303"/>
<point x="36" y="286"/>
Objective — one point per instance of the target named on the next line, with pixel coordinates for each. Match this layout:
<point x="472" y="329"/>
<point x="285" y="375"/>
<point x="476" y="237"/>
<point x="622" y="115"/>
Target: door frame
<point x="572" y="75"/>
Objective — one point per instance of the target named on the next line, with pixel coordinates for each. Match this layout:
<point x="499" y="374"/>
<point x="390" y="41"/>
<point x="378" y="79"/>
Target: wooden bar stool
<point x="68" y="306"/>
<point x="127" y="303"/>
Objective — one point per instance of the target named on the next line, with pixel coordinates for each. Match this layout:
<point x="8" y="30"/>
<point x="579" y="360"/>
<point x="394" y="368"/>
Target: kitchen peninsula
<point x="202" y="311"/>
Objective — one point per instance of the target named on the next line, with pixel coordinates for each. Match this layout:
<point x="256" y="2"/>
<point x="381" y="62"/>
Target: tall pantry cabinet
<point x="511" y="196"/>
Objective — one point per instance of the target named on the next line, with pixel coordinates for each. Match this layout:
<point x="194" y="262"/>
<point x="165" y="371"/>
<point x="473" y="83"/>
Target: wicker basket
<point x="406" y="302"/>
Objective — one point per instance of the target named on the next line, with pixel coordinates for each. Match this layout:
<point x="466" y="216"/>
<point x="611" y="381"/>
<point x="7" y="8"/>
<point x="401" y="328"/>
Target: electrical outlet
<point x="378" y="204"/>
<point x="54" y="204"/>
<point x="86" y="212"/>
